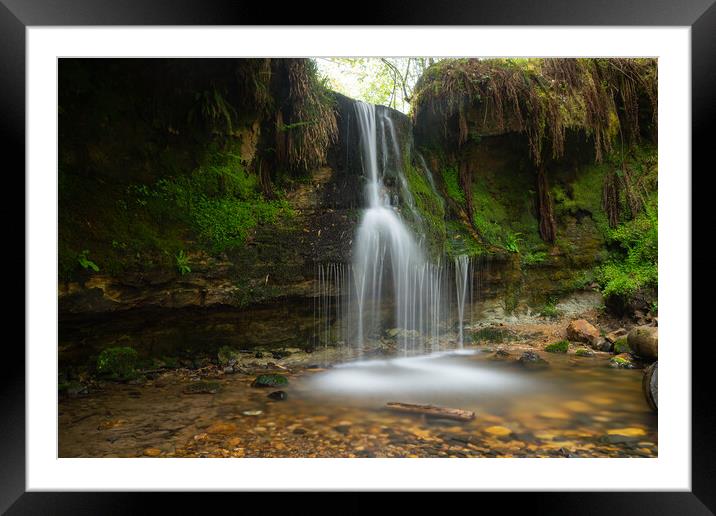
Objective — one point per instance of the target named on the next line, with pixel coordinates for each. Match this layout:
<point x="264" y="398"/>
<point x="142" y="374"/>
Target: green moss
<point x="621" y="346"/>
<point x="269" y="380"/>
<point x="585" y="194"/>
<point x="619" y="362"/>
<point x="584" y="352"/>
<point x="460" y="241"/>
<point x="557" y="347"/>
<point x="430" y="208"/>
<point x="118" y="363"/>
<point x="452" y="185"/>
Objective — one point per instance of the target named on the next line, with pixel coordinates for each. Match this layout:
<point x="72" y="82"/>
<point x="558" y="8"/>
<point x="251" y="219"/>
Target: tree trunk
<point x="547" y="227"/>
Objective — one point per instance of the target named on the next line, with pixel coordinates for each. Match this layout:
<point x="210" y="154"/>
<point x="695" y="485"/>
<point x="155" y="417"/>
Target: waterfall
<point x="391" y="289"/>
<point x="462" y="270"/>
<point x="388" y="265"/>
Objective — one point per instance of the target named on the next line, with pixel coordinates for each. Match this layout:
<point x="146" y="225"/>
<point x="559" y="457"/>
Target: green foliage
<point x="533" y="258"/>
<point x="512" y="242"/>
<point x="118" y="363"/>
<point x="550" y="309"/>
<point x="222" y="202"/>
<point x="182" y="262"/>
<point x="634" y="264"/>
<point x="387" y="80"/>
<point x="557" y="347"/>
<point x="85" y="262"/>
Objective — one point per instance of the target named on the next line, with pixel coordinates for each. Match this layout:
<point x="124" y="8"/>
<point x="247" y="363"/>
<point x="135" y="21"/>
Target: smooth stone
<point x="644" y="341"/>
<point x="650" y="385"/>
<point x="498" y="430"/>
<point x="278" y="395"/>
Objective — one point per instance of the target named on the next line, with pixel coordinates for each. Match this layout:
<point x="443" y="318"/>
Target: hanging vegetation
<point x="539" y="97"/>
<point x="607" y="99"/>
<point x="307" y="125"/>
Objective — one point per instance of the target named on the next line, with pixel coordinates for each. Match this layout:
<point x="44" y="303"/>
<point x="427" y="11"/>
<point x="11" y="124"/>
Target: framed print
<point x="386" y="256"/>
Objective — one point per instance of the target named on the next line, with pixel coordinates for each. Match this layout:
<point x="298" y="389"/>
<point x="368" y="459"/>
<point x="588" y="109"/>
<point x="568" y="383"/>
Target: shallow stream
<point x="576" y="407"/>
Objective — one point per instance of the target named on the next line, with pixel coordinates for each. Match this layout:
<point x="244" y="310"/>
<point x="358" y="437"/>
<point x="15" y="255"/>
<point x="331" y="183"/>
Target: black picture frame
<point x="16" y="15"/>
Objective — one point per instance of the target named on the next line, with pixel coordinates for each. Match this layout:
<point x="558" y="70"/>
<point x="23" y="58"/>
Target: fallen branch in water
<point x="431" y="410"/>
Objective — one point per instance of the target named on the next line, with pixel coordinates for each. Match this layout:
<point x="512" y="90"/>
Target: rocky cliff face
<point x="262" y="293"/>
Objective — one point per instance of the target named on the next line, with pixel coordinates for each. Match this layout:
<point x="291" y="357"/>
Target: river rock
<point x="623" y="361"/>
<point x="580" y="330"/>
<point x="615" y="335"/>
<point x="202" y="387"/>
<point x="532" y="360"/>
<point x="269" y="380"/>
<point x="278" y="395"/>
<point x="644" y="341"/>
<point x="584" y="352"/>
<point x="501" y="354"/>
<point x="650" y="385"/>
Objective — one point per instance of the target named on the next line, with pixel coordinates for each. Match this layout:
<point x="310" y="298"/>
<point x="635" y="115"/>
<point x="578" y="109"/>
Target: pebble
<point x="628" y="432"/>
<point x="152" y="452"/>
<point x="221" y="428"/>
<point x="252" y="412"/>
<point x="498" y="430"/>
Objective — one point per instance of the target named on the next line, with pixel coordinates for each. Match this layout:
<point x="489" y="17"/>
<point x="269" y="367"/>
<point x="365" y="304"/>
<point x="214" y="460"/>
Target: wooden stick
<point x="431" y="410"/>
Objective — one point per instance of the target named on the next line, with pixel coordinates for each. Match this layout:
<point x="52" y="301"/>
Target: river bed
<point x="576" y="407"/>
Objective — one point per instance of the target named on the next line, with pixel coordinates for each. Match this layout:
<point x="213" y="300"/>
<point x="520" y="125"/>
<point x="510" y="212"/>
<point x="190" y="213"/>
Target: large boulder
<point x="580" y="330"/>
<point x="650" y="385"/>
<point x="644" y="342"/>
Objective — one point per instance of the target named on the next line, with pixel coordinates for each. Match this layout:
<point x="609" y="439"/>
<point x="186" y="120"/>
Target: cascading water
<point x="462" y="269"/>
<point x="384" y="243"/>
<point x="391" y="287"/>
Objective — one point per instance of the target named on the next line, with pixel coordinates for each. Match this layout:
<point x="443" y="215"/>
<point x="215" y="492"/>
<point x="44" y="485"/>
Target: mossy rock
<point x="119" y="363"/>
<point x="228" y="356"/>
<point x="557" y="347"/>
<point x="621" y="346"/>
<point x="269" y="380"/>
<point x="72" y="388"/>
<point x="203" y="388"/>
<point x="584" y="352"/>
<point x="622" y="361"/>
